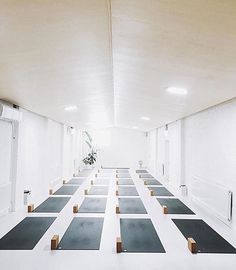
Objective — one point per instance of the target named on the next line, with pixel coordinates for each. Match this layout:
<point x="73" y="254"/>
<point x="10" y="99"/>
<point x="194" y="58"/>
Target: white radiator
<point x="217" y="198"/>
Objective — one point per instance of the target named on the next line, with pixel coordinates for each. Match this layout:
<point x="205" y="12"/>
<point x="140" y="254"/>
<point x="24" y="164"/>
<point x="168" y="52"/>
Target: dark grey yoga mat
<point x="208" y="240"/>
<point x="84" y="233"/>
<point x="93" y="205"/>
<point x="113" y="168"/>
<point x="139" y="235"/>
<point x="127" y="181"/>
<point x="161" y="191"/>
<point x="141" y="171"/>
<point x="123" y="175"/>
<point x="26" y="234"/>
<point x="85" y="174"/>
<point x="75" y="181"/>
<point x="152" y="182"/>
<point x="66" y="190"/>
<point x="127" y="191"/>
<point x="145" y="175"/>
<point x="102" y="182"/>
<point x="122" y="171"/>
<point x="98" y="190"/>
<point x="175" y="206"/>
<point x="131" y="206"/>
<point x="52" y="205"/>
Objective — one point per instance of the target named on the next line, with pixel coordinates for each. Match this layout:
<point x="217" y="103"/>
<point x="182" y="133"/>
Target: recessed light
<point x="145" y="118"/>
<point x="177" y="90"/>
<point x="134" y="127"/>
<point x="71" y="108"/>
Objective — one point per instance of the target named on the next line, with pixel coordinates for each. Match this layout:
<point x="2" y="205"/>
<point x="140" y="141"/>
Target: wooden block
<point x="30" y="208"/>
<point x="117" y="182"/>
<point x="117" y="193"/>
<point x="96" y="175"/>
<point x="192" y="245"/>
<point x="116" y="175"/>
<point x="98" y="171"/>
<point x="117" y="209"/>
<point x="116" y="171"/>
<point x="85" y="192"/>
<point x="140" y="176"/>
<point x="145" y="182"/>
<point x="75" y="208"/>
<point x="50" y="191"/>
<point x="64" y="181"/>
<point x="118" y="245"/>
<point x="165" y="209"/>
<point x="54" y="242"/>
<point x="91" y="182"/>
<point x="151" y="193"/>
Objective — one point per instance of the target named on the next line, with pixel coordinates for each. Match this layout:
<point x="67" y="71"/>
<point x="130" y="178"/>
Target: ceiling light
<point x="134" y="127"/>
<point x="177" y="90"/>
<point x="145" y="118"/>
<point x="71" y="108"/>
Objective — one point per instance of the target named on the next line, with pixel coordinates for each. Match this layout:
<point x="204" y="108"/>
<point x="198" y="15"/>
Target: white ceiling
<point x="114" y="59"/>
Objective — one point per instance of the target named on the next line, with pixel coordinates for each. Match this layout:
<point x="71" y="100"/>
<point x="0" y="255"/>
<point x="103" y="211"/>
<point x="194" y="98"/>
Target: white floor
<point x="177" y="255"/>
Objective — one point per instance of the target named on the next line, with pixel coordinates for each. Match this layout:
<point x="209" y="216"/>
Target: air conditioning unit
<point x="8" y="112"/>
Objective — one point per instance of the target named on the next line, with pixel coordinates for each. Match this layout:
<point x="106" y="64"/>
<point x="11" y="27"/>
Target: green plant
<point x="90" y="159"/>
<point x="92" y="155"/>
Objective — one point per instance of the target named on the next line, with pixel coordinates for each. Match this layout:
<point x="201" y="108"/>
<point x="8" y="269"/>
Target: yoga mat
<point x="141" y="171"/>
<point x="207" y="239"/>
<point x="127" y="191"/>
<point x="145" y="175"/>
<point x="161" y="191"/>
<point x="128" y="181"/>
<point x="122" y="171"/>
<point x="139" y="235"/>
<point x="175" y="206"/>
<point x="152" y="182"/>
<point x="52" y="205"/>
<point x="75" y="181"/>
<point x="66" y="190"/>
<point x="98" y="190"/>
<point x="93" y="205"/>
<point x="102" y="182"/>
<point x="26" y="234"/>
<point x="131" y="206"/>
<point x="83" y="233"/>
<point x="123" y="175"/>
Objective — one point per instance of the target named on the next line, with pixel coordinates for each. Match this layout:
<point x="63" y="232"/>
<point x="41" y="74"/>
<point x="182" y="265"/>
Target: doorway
<point x="167" y="160"/>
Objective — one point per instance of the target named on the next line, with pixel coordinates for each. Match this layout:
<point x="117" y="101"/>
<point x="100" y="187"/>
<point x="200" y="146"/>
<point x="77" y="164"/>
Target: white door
<point x="5" y="166"/>
<point x="167" y="160"/>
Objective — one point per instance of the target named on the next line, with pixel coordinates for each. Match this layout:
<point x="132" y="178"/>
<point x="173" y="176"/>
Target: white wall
<point x="46" y="153"/>
<point x="152" y="152"/>
<point x="120" y="147"/>
<point x="5" y="165"/>
<point x="202" y="155"/>
<point x="210" y="153"/>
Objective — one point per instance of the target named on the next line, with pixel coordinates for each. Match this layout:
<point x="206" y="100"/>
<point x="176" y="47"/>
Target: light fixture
<point x="145" y="118"/>
<point x="177" y="90"/>
<point x="134" y="127"/>
<point x="71" y="108"/>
